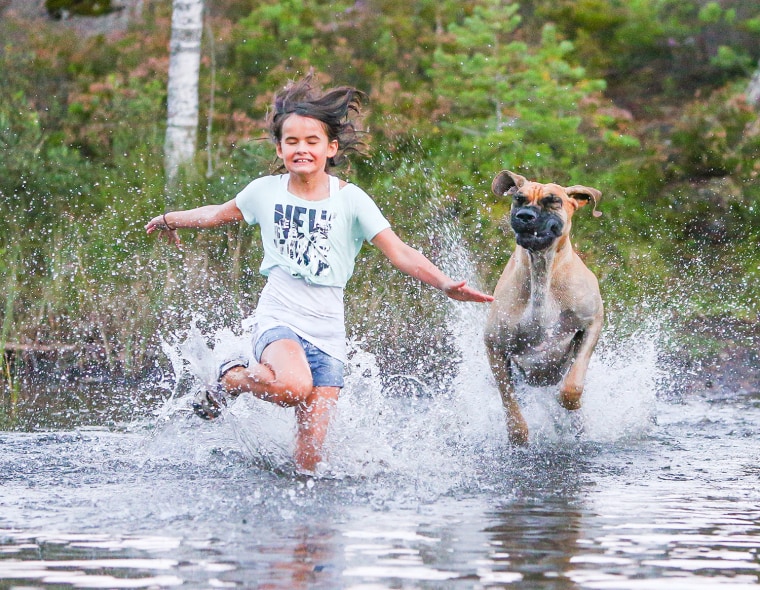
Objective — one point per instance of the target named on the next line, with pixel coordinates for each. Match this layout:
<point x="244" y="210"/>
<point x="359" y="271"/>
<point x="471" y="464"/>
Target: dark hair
<point x="334" y="108"/>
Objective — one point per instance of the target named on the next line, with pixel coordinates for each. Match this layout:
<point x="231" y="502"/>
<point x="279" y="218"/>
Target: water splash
<point x="435" y="438"/>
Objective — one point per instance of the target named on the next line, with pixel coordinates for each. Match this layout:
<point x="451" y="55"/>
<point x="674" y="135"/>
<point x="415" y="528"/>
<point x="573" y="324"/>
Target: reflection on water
<point x="69" y="561"/>
<point x="99" y="508"/>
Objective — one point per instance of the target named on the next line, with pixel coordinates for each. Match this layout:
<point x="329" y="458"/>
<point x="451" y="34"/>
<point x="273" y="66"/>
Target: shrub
<point x="59" y="8"/>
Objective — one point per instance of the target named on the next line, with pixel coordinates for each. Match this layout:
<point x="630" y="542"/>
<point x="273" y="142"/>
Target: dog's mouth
<point x="535" y="241"/>
<point x="536" y="232"/>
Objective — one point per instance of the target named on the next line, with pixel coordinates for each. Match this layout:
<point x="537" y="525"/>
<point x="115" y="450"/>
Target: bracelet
<point x="166" y="223"/>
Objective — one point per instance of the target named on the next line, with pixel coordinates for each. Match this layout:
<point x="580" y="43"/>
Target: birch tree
<point x="753" y="89"/>
<point x="184" y="68"/>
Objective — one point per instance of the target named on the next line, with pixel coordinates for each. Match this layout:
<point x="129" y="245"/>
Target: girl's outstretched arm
<point x="198" y="218"/>
<point x="417" y="265"/>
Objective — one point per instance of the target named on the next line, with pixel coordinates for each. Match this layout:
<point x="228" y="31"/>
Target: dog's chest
<point x="542" y="341"/>
<point x="540" y="344"/>
<point x="544" y="329"/>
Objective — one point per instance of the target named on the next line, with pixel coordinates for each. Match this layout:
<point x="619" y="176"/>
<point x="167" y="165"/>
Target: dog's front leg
<point x="517" y="427"/>
<point x="571" y="388"/>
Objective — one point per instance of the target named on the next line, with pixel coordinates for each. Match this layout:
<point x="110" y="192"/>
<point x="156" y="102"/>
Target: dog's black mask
<point x="536" y="229"/>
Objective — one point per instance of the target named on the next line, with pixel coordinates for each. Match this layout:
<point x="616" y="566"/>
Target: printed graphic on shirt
<point x="301" y="235"/>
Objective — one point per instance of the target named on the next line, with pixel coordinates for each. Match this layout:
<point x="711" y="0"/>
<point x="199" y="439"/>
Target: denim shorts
<point x="326" y="371"/>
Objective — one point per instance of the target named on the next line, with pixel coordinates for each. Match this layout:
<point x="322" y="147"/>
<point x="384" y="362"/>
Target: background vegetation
<point x="644" y="100"/>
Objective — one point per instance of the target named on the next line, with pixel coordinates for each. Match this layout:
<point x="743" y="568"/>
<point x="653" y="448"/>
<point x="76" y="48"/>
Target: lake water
<point x="421" y="490"/>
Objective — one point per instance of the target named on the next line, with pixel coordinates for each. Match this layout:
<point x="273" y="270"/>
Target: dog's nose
<point x="527" y="214"/>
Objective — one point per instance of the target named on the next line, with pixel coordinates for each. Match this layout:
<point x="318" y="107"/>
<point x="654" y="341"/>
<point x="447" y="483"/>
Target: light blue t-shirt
<point x="317" y="241"/>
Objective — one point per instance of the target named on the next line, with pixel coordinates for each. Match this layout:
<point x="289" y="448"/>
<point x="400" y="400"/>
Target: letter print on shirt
<point x="301" y="236"/>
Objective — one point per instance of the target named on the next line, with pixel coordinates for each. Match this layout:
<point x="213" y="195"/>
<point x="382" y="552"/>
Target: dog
<point x="547" y="312"/>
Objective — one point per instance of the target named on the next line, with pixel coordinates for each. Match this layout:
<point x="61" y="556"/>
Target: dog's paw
<point x="518" y="431"/>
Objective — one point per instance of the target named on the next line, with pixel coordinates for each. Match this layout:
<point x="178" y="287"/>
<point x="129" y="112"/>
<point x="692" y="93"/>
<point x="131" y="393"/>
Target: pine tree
<point x="506" y="103"/>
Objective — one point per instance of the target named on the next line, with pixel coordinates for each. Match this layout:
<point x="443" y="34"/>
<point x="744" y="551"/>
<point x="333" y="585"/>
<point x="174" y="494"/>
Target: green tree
<point x="277" y="41"/>
<point x="504" y="103"/>
<point x="646" y="46"/>
<point x="57" y="8"/>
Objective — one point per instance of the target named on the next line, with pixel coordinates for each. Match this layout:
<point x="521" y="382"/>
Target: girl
<point x="312" y="228"/>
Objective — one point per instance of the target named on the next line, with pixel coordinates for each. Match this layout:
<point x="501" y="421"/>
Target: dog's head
<point x="541" y="213"/>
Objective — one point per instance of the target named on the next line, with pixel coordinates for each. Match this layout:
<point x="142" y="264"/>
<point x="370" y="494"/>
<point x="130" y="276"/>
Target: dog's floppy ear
<point x="506" y="180"/>
<point x="584" y="194"/>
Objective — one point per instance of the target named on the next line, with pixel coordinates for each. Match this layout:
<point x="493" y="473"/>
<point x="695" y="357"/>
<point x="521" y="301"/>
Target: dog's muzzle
<point x="535" y="229"/>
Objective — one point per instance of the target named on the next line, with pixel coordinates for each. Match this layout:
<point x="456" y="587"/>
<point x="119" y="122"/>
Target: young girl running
<point x="312" y="228"/>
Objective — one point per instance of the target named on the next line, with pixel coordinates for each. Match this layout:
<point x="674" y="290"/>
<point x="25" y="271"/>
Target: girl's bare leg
<point x="283" y="377"/>
<point x="313" y="418"/>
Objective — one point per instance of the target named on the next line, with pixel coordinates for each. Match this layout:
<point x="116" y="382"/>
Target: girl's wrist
<point x="166" y="223"/>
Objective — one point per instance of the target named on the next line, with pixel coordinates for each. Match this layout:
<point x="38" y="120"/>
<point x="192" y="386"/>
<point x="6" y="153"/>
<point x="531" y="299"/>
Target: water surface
<point x="420" y="491"/>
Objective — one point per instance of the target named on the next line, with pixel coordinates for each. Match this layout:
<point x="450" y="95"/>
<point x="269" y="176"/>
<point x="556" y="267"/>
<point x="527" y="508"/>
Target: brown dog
<point x="547" y="313"/>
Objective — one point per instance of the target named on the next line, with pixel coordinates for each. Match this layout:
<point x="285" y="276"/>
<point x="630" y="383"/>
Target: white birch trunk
<point x="184" y="68"/>
<point x="753" y="90"/>
<point x="136" y="10"/>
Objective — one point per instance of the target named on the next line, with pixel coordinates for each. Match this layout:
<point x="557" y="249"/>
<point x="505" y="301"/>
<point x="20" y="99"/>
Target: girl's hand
<point x="164" y="231"/>
<point x="461" y="291"/>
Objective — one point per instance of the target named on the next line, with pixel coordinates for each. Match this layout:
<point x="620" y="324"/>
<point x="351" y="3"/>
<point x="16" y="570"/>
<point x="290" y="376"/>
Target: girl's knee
<point x="321" y="400"/>
<point x="299" y="387"/>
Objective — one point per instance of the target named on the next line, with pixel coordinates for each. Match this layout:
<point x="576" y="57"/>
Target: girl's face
<point x="305" y="147"/>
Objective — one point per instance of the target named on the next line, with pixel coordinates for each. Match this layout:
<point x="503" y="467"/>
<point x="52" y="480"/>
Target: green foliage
<point x="728" y="60"/>
<point x="657" y="46"/>
<point x="278" y="41"/>
<point x="502" y="103"/>
<point x="752" y="25"/>
<point x="589" y="91"/>
<point x="717" y="137"/>
<point x="42" y="178"/>
<point x="710" y="13"/>
<point x="57" y="8"/>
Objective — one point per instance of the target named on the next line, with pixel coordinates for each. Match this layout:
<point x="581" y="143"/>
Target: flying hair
<point x="336" y="109"/>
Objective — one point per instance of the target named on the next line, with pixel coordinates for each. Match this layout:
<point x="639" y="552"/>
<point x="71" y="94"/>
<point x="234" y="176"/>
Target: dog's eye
<point x="552" y="202"/>
<point x="519" y="200"/>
